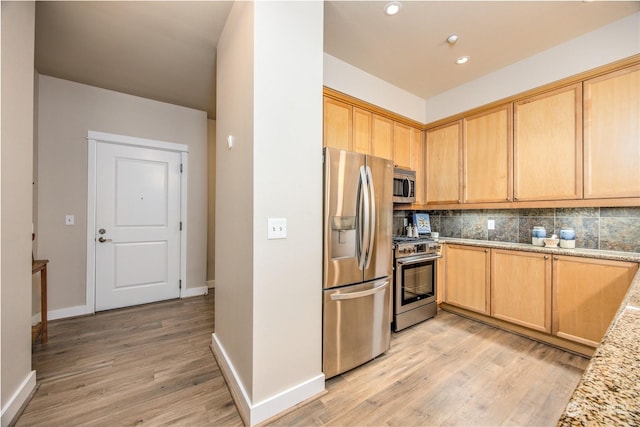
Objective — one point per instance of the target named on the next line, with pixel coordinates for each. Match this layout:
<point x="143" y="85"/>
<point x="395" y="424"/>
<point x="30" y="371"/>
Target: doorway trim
<point x="93" y="138"/>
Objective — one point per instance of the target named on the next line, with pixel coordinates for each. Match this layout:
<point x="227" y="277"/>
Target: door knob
<point x="102" y="239"/>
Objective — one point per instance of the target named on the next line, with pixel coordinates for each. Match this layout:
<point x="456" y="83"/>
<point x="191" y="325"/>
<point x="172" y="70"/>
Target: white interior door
<point x="137" y="233"/>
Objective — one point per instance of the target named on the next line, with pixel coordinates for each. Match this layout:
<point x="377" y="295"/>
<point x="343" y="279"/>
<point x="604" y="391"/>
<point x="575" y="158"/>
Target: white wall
<point x="211" y="203"/>
<point x="353" y="81"/>
<point x="268" y="292"/>
<point x="607" y="44"/>
<point x="67" y="111"/>
<point x="234" y="195"/>
<point x="16" y="174"/>
<point x="287" y="184"/>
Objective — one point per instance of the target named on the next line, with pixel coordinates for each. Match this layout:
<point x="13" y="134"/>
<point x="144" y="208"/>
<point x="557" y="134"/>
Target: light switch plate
<point x="277" y="228"/>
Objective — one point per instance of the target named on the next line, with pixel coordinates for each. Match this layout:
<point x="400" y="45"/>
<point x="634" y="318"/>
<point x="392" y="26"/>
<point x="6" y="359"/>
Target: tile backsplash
<point x="616" y="229"/>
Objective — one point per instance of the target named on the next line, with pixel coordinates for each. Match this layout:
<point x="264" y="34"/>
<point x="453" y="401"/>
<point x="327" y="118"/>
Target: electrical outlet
<point x="277" y="228"/>
<point x="491" y="224"/>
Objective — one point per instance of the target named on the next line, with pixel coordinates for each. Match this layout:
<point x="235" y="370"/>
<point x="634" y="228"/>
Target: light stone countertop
<point x="609" y="391"/>
<point x="587" y="253"/>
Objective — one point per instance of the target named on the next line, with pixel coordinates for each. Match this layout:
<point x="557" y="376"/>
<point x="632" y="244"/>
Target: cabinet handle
<point x="508" y="198"/>
<point x="555" y="258"/>
<point x="459" y="201"/>
<point x="486" y="250"/>
<point x="516" y="198"/>
<point x="546" y="257"/>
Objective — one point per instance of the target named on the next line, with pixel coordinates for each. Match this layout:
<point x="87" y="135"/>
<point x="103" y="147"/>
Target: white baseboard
<point x="19" y="398"/>
<point x="194" y="292"/>
<point x="35" y="319"/>
<point x="62" y="313"/>
<point x="83" y="310"/>
<point x="236" y="388"/>
<point x="211" y="284"/>
<point x="253" y="414"/>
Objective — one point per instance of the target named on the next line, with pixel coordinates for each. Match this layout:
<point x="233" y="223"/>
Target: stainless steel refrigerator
<point x="358" y="216"/>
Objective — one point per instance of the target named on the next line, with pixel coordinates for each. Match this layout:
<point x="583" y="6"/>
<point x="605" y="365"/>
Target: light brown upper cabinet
<point x="612" y="134"/>
<point x="382" y="137"/>
<point x="408" y="153"/>
<point x="417" y="163"/>
<point x="548" y="145"/>
<point x="488" y="152"/>
<point x="402" y="145"/>
<point x="361" y="131"/>
<point x="337" y="124"/>
<point x="444" y="163"/>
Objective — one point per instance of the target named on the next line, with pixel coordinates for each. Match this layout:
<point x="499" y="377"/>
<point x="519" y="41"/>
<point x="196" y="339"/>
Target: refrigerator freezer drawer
<point x="356" y="325"/>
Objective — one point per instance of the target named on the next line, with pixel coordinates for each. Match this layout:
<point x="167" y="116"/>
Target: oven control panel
<point x="415" y="248"/>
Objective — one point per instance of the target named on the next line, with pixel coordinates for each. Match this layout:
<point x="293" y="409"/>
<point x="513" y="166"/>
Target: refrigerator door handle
<point x="363" y="219"/>
<point x="360" y="294"/>
<point x="372" y="217"/>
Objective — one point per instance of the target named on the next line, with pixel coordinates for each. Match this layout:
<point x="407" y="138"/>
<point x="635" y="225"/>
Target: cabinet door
<point x="467" y="277"/>
<point x="402" y="145"/>
<point x="382" y="137"/>
<point x="417" y="163"/>
<point x="444" y="163"/>
<point x="361" y="131"/>
<point x="521" y="288"/>
<point x="548" y="146"/>
<point x="612" y="135"/>
<point x="487" y="151"/>
<point x="586" y="295"/>
<point x="337" y="124"/>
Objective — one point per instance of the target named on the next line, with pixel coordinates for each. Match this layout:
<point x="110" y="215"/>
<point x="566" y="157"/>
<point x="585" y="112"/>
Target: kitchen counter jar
<point x="537" y="235"/>
<point x="567" y="238"/>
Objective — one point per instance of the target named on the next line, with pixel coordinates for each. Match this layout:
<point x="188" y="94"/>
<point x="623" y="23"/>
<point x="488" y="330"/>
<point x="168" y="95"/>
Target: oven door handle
<point x="360" y="294"/>
<point x="418" y="260"/>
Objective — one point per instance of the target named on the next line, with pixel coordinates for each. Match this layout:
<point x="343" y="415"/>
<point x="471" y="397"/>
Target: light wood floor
<point x="151" y="365"/>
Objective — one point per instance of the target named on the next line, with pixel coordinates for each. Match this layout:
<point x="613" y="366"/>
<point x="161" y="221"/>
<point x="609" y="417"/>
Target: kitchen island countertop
<point x="609" y="391"/>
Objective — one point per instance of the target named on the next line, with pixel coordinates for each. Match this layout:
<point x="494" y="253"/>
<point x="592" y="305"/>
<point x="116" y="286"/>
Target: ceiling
<point x="165" y="50"/>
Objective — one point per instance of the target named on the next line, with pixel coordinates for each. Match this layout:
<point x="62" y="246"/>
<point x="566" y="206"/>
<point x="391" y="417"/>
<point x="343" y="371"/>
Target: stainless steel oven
<point x="414" y="282"/>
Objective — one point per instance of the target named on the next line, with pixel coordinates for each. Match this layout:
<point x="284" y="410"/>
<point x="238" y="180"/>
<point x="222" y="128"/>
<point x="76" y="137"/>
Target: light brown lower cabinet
<point x="586" y="295"/>
<point x="569" y="297"/>
<point x="521" y="288"/>
<point x="440" y="269"/>
<point x="466" y="277"/>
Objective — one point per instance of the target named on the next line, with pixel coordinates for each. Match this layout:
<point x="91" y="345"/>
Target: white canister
<point x="537" y="235"/>
<point x="567" y="238"/>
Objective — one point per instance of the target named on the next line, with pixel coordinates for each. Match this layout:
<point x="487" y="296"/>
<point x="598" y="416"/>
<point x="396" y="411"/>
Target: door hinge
<point x="179" y="284"/>
<point x="180" y="167"/>
<point x="180" y="225"/>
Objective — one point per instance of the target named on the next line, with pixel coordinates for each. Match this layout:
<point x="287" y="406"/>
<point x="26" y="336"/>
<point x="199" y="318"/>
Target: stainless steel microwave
<point x="404" y="186"/>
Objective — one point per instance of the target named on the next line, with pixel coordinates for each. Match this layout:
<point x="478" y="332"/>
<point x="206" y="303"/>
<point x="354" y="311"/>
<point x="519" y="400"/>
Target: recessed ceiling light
<point x="392" y="8"/>
<point x="462" y="60"/>
<point x="452" y="38"/>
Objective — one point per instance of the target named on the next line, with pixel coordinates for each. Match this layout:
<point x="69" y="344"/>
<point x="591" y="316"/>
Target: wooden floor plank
<point x="151" y="365"/>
